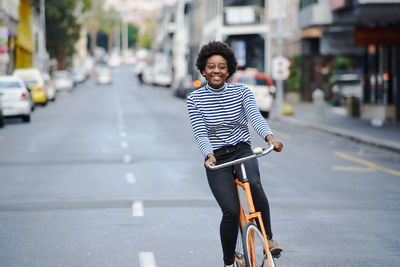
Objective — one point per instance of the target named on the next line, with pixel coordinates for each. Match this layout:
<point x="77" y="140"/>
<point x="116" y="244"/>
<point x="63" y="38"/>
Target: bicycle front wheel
<point x="255" y="251"/>
<point x="239" y="253"/>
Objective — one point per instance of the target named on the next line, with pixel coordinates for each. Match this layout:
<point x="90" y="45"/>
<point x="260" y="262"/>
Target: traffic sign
<point x="280" y="68"/>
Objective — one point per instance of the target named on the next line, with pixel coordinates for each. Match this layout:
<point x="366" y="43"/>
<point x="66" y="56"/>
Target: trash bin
<point x="353" y="106"/>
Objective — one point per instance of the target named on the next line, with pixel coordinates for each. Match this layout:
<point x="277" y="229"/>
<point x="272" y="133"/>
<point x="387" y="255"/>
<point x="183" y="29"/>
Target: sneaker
<point x="273" y="247"/>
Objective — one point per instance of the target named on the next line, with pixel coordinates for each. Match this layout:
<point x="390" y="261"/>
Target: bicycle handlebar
<point x="256" y="154"/>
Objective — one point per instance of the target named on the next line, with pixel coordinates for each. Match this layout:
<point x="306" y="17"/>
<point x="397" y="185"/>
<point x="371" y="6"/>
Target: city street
<point x="110" y="175"/>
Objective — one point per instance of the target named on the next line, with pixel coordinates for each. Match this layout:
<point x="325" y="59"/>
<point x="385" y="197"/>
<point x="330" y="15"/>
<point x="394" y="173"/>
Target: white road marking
<point x="352" y="169"/>
<point x="1" y="138"/>
<point x="137" y="208"/>
<point x="147" y="259"/>
<point x="124" y="144"/>
<point x="130" y="178"/>
<point x="122" y="134"/>
<point x="127" y="159"/>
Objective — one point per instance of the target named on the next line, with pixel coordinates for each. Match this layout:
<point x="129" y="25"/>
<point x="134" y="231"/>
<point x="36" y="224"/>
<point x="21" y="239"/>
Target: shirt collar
<point x="216" y="90"/>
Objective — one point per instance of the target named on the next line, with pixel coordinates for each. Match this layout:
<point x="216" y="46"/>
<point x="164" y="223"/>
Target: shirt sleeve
<point x="258" y="122"/>
<point x="199" y="127"/>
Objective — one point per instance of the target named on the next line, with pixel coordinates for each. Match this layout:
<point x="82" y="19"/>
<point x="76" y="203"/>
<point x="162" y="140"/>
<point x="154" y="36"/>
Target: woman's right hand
<point x="211" y="160"/>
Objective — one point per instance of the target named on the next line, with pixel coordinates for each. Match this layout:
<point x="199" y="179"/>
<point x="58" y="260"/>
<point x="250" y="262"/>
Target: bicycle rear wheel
<point x="255" y="251"/>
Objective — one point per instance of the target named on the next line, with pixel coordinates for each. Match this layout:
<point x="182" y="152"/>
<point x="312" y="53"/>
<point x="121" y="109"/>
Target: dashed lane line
<point x="124" y="144"/>
<point x="147" y="259"/>
<point x="130" y="178"/>
<point x="127" y="158"/>
<point x="137" y="208"/>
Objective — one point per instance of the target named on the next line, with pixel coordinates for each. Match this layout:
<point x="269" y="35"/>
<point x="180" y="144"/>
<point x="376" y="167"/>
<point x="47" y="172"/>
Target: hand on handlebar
<point x="278" y="146"/>
<point x="211" y="160"/>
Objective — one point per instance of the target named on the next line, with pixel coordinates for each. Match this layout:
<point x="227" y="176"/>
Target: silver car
<point x="15" y="100"/>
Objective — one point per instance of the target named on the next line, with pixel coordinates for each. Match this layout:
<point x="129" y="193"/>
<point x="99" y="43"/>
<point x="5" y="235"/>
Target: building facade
<point x="9" y="18"/>
<point x="375" y="29"/>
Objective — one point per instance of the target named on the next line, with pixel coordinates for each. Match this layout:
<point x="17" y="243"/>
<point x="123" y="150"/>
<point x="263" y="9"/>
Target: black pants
<point x="224" y="189"/>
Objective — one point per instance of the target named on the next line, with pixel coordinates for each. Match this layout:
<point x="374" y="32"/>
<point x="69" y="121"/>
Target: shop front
<point x="381" y="96"/>
<point x="24" y="46"/>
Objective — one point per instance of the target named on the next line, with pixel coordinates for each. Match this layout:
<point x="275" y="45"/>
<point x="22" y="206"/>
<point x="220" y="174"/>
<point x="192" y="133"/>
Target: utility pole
<point x="124" y="37"/>
<point x="42" y="37"/>
<point x="279" y="82"/>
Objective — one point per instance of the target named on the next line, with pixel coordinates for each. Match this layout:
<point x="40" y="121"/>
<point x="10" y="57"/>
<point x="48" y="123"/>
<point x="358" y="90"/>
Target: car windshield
<point x="252" y="81"/>
<point x="104" y="71"/>
<point x="9" y="84"/>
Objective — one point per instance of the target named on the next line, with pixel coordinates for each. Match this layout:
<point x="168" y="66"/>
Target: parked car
<point x="186" y="86"/>
<point x="260" y="84"/>
<point x="15" y="99"/>
<point x="49" y="85"/>
<point x="103" y="75"/>
<point x="79" y="75"/>
<point x="1" y="113"/>
<point x="62" y="80"/>
<point x="346" y="85"/>
<point x="162" y="77"/>
<point x="34" y="82"/>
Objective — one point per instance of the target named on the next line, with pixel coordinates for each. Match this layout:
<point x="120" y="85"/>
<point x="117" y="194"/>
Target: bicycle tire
<point x="253" y="238"/>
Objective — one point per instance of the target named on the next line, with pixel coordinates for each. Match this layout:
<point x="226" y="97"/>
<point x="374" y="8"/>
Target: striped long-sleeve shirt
<point x="219" y="117"/>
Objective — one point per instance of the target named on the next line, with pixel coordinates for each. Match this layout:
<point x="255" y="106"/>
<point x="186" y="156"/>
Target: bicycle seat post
<point x="243" y="172"/>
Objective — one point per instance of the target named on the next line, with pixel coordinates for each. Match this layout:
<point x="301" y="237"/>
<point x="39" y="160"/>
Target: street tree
<point x="62" y="27"/>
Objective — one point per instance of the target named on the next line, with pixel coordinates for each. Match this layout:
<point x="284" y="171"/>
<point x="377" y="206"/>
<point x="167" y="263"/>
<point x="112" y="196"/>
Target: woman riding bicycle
<point x="219" y="113"/>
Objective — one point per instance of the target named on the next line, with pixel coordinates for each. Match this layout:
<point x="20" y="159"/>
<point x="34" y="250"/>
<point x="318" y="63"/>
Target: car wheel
<point x="1" y="121"/>
<point x="26" y="118"/>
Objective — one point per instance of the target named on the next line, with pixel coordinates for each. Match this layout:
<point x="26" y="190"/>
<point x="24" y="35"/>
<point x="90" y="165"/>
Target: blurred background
<point x="98" y="163"/>
<point x="347" y="49"/>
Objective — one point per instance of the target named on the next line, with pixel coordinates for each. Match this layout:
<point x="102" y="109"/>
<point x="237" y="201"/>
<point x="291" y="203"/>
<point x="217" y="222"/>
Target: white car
<point x="63" y="81"/>
<point x="15" y="100"/>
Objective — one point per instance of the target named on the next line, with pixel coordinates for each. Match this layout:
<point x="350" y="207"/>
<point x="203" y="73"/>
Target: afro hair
<point x="216" y="48"/>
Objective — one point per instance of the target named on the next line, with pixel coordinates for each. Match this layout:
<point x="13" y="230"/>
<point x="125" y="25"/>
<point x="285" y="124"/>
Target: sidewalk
<point x="335" y="121"/>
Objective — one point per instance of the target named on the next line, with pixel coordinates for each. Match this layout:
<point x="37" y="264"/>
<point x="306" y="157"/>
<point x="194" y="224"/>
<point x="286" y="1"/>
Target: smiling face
<point x="216" y="71"/>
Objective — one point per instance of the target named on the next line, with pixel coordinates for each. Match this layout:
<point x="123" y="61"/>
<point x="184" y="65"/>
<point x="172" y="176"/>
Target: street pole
<point x="42" y="40"/>
<point x="124" y="38"/>
<point x="279" y="82"/>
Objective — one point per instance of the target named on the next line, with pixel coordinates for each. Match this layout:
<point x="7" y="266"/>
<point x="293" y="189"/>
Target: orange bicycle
<point x="252" y="248"/>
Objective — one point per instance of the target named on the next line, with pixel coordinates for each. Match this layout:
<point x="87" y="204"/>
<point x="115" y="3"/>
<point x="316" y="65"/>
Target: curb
<point x="362" y="138"/>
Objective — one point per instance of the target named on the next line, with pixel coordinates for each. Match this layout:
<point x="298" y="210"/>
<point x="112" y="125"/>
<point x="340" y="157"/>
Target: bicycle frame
<point x="252" y="215"/>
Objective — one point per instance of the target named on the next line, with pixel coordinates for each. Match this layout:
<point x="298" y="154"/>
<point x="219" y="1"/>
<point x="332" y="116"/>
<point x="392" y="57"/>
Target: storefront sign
<point x="339" y="43"/>
<point x="240" y="15"/>
<point x="312" y="32"/>
<point x="384" y="35"/>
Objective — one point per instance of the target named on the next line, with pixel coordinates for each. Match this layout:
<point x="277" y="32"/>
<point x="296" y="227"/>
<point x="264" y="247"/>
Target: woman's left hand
<point x="278" y="146"/>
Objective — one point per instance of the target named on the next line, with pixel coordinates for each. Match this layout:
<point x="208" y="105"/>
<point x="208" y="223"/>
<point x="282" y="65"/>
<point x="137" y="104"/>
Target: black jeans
<point x="224" y="189"/>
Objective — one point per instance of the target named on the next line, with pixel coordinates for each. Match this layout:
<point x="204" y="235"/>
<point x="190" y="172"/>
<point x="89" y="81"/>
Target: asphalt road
<point x="111" y="176"/>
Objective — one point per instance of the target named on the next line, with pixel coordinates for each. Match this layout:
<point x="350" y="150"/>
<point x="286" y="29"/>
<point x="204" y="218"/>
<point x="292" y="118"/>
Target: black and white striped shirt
<point x="219" y="117"/>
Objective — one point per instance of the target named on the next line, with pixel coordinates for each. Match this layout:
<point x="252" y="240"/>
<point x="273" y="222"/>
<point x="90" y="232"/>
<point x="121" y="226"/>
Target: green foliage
<point x="132" y="35"/>
<point x="294" y="80"/>
<point x="145" y="40"/>
<point x="62" y="27"/>
<point x="341" y="63"/>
